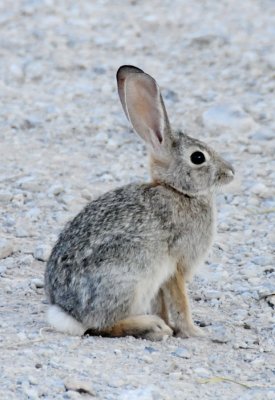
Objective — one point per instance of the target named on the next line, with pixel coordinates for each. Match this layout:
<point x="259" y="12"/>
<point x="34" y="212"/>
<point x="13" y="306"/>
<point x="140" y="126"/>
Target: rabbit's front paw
<point x="157" y="330"/>
<point x="189" y="331"/>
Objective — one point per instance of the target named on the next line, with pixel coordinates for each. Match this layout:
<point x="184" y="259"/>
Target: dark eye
<point x="197" y="157"/>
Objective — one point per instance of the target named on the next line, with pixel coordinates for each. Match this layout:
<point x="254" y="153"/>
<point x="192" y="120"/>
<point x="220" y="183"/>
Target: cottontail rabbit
<point x="135" y="246"/>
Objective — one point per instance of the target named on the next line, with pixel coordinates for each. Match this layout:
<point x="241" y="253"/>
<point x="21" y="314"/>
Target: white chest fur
<point x="148" y="287"/>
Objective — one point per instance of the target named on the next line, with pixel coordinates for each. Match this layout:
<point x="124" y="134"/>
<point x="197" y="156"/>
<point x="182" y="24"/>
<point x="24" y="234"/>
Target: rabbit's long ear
<point x="143" y="105"/>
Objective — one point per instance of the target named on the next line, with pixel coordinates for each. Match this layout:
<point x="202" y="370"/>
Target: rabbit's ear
<point x="143" y="105"/>
<point x="122" y="73"/>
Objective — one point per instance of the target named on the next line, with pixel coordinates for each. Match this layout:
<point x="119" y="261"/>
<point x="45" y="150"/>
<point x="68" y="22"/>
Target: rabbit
<point x="120" y="266"/>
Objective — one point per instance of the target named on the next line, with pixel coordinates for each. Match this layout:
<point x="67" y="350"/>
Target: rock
<point x="42" y="252"/>
<point x="171" y="95"/>
<point x="22" y="336"/>
<point x="30" y="184"/>
<point x="99" y="70"/>
<point x="5" y="197"/>
<point x="6" y="248"/>
<point x="181" y="352"/>
<point x="35" y="70"/>
<point x="17" y="71"/>
<point x="205" y="38"/>
<point x="270" y="59"/>
<point x="22" y="232"/>
<point x="33" y="213"/>
<point x="18" y="200"/>
<point x="71" y="395"/>
<point x="263" y="135"/>
<point x="143" y="393"/>
<point x="240" y="315"/>
<point x="31" y="393"/>
<point x="254" y="149"/>
<point x="27" y="259"/>
<point x="31" y="122"/>
<point x="147" y="359"/>
<point x="215" y="274"/>
<point x="266" y="289"/>
<point x="80" y="386"/>
<point x="224" y="116"/>
<point x="219" y="335"/>
<point x="37" y="283"/>
<point x="271" y="300"/>
<point x="86" y="195"/>
<point x="258" y="361"/>
<point x="263" y="260"/>
<point x="254" y="281"/>
<point x="56" y="189"/>
<point x="202" y="372"/>
<point x="249" y="58"/>
<point x="3" y="270"/>
<point x="250" y="271"/>
<point x="212" y="294"/>
<point x="150" y="349"/>
<point x="260" y="189"/>
<point x="111" y="144"/>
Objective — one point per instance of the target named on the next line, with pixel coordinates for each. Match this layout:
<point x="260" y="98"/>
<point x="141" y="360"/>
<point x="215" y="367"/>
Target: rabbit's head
<point x="180" y="161"/>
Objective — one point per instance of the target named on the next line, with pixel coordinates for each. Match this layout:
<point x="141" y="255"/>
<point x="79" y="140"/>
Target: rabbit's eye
<point x="197" y="157"/>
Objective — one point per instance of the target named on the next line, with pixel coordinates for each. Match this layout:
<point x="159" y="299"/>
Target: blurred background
<point x="214" y="61"/>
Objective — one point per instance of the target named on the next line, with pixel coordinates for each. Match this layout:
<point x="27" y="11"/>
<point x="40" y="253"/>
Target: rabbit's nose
<point x="230" y="172"/>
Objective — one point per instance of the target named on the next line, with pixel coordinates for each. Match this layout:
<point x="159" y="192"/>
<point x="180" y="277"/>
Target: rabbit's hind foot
<point x="150" y="327"/>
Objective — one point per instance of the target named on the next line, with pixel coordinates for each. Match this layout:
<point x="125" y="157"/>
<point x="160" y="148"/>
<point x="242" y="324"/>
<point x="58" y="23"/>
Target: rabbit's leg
<point x="179" y="307"/>
<point x="159" y="307"/>
<point x="149" y="327"/>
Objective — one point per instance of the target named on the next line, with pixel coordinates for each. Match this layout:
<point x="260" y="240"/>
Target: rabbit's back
<point x="127" y="215"/>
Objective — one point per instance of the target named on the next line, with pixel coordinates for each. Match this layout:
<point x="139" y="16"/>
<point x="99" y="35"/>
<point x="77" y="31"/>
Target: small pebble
<point x="150" y="349"/>
<point x="42" y="252"/>
<point x="182" y="353"/>
<point x="5" y="197"/>
<point x="6" y="248"/>
<point x="86" y="195"/>
<point x="260" y="189"/>
<point x="202" y="372"/>
<point x="3" y="270"/>
<point x="37" y="283"/>
<point x="56" y="189"/>
<point x="80" y="386"/>
<point x="219" y="335"/>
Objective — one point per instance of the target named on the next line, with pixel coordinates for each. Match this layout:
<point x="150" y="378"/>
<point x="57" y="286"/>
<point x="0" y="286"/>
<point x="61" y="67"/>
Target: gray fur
<point x="118" y="241"/>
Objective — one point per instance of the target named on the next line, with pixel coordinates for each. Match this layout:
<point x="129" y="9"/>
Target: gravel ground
<point x="64" y="140"/>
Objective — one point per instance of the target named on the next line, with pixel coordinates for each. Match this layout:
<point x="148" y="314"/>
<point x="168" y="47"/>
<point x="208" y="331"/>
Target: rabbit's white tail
<point x="64" y="322"/>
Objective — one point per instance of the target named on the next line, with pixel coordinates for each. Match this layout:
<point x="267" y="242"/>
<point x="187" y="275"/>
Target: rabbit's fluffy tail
<point x="64" y="322"/>
<point x="148" y="327"/>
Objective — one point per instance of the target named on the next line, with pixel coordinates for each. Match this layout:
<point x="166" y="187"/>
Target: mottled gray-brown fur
<point x="116" y="244"/>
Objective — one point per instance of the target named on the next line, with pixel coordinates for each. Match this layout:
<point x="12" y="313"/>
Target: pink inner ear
<point x="158" y="134"/>
<point x="120" y="86"/>
<point x="123" y="72"/>
<point x="144" y="108"/>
